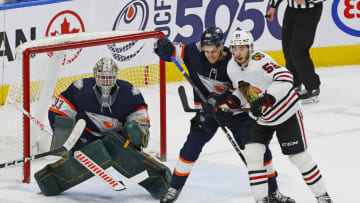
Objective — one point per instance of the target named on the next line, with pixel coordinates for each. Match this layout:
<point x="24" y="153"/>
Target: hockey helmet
<point x="212" y="36"/>
<point x="242" y="37"/>
<point x="105" y="74"/>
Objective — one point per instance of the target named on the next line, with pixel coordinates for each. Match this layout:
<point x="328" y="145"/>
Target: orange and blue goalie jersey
<point x="80" y="101"/>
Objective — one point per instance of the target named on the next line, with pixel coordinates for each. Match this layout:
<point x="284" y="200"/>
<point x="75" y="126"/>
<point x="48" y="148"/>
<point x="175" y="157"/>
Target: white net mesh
<point x="51" y="72"/>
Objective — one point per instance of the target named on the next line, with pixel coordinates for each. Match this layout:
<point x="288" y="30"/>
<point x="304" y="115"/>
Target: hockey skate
<point x="325" y="198"/>
<point x="308" y="97"/>
<point x="277" y="197"/>
<point x="171" y="195"/>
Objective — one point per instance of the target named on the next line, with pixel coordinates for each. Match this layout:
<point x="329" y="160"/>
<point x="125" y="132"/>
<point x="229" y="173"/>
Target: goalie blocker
<point x="111" y="150"/>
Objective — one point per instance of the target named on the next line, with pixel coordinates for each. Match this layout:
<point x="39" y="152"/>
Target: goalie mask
<point x="105" y="73"/>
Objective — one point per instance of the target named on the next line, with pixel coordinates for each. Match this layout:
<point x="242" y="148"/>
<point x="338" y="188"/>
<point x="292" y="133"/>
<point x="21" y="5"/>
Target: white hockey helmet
<point x="105" y="74"/>
<point x="241" y="37"/>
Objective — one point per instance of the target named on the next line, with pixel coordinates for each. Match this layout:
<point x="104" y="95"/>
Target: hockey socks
<point x="258" y="183"/>
<point x="309" y="171"/>
<point x="181" y="173"/>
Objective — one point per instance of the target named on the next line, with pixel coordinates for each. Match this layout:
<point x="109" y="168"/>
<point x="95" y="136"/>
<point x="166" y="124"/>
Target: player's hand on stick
<point x="223" y="111"/>
<point x="262" y="101"/>
<point x="165" y="49"/>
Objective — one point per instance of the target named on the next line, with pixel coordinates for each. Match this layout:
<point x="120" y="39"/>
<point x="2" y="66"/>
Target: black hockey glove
<point x="262" y="101"/>
<point x="223" y="111"/>
<point x="165" y="49"/>
<point x="213" y="101"/>
<point x="221" y="105"/>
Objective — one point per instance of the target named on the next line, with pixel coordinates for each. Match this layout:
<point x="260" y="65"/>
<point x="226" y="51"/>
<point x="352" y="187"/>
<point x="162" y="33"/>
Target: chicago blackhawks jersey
<point x="82" y="100"/>
<point x="265" y="76"/>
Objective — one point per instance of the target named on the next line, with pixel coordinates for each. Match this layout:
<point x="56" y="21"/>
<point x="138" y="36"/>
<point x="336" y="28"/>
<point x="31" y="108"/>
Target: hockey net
<point x="48" y="66"/>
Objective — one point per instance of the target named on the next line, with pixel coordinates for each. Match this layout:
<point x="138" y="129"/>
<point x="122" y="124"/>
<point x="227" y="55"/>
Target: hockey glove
<point x="262" y="101"/>
<point x="213" y="101"/>
<point x="165" y="49"/>
<point x="137" y="131"/>
<point x="223" y="110"/>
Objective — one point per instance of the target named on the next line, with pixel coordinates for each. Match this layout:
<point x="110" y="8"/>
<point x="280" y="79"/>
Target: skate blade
<point x="310" y="100"/>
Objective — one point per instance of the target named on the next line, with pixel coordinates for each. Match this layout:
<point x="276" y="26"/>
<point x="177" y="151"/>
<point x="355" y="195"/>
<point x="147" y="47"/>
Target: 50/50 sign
<point x="185" y="16"/>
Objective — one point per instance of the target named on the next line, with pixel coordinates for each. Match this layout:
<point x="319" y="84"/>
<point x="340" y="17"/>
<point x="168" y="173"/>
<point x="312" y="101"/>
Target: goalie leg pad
<point x="130" y="161"/>
<point x="67" y="172"/>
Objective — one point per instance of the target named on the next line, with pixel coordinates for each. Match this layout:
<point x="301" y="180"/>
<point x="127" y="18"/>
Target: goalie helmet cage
<point x="79" y="41"/>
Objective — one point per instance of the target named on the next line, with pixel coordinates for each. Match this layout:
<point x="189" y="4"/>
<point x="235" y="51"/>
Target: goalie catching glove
<point x="262" y="101"/>
<point x="165" y="49"/>
<point x="137" y="131"/>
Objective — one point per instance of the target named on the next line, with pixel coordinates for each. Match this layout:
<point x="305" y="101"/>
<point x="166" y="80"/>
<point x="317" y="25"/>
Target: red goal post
<point x="79" y="41"/>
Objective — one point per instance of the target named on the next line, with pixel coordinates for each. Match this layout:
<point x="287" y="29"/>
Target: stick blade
<point x="75" y="134"/>
<point x="136" y="179"/>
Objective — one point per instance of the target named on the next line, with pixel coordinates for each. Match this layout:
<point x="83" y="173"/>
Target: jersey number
<point x="57" y="103"/>
<point x="269" y="67"/>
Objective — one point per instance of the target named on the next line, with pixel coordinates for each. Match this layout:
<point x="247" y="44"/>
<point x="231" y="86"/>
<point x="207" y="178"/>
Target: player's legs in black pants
<point x="298" y="33"/>
<point x="203" y="128"/>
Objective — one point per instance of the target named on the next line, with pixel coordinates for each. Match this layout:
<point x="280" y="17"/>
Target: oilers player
<point x="206" y="62"/>
<point x="117" y="128"/>
<point x="275" y="107"/>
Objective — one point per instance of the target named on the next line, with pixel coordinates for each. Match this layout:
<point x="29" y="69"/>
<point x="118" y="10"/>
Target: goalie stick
<point x="69" y="143"/>
<point x="105" y="176"/>
<point x="203" y="99"/>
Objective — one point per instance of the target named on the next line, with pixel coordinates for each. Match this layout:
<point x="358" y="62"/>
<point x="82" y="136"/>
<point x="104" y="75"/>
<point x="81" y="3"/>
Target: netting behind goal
<point x="48" y="66"/>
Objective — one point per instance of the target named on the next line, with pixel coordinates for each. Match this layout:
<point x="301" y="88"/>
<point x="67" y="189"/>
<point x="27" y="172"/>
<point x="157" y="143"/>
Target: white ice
<point x="332" y="126"/>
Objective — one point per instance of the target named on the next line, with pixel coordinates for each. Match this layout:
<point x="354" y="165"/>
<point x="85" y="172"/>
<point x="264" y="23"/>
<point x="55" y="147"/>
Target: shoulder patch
<point x="79" y="84"/>
<point x="258" y="56"/>
<point x="135" y="91"/>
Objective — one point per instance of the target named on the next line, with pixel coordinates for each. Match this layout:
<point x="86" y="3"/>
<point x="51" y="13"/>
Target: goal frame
<point x="80" y="44"/>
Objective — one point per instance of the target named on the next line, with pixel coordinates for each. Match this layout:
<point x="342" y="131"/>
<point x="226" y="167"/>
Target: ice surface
<point x="332" y="127"/>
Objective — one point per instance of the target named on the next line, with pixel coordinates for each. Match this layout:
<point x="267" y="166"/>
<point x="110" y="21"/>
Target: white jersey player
<point x="268" y="89"/>
<point x="264" y="76"/>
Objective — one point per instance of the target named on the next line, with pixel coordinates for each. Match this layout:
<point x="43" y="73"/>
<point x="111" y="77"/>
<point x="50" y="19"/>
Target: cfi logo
<point x="66" y="22"/>
<point x="346" y="15"/>
<point x="133" y="16"/>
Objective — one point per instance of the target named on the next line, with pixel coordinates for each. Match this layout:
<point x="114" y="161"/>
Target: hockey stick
<point x="184" y="100"/>
<point x="203" y="99"/>
<point x="105" y="176"/>
<point x="185" y="104"/>
<point x="36" y="121"/>
<point x="69" y="143"/>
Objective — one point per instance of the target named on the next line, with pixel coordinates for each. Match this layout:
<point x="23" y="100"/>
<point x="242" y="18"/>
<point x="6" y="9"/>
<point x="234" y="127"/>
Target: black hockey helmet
<point x="212" y="36"/>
